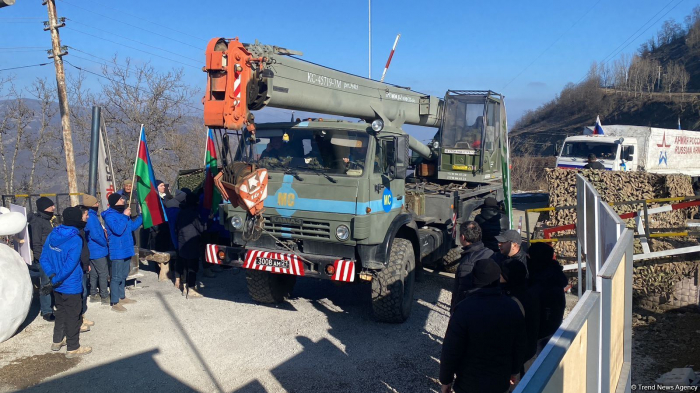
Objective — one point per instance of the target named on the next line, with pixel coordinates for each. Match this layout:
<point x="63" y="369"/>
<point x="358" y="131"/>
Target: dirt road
<point x="324" y="339"/>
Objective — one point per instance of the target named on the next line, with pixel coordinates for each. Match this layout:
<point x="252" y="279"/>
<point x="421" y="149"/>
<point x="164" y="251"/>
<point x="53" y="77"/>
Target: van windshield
<point x="605" y="151"/>
<point x="337" y="152"/>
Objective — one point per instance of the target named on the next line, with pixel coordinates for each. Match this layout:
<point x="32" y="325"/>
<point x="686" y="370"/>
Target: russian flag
<point x="598" y="130"/>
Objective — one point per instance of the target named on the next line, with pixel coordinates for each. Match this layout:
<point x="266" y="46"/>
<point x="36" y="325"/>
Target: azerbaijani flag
<point x="598" y="130"/>
<point x="151" y="205"/>
<point x="212" y="196"/>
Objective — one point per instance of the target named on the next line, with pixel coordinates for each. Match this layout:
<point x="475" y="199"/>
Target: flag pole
<point x="133" y="179"/>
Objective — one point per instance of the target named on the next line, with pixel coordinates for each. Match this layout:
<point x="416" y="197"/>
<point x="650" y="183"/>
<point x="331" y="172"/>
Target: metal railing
<point x="61" y="200"/>
<point x="592" y="350"/>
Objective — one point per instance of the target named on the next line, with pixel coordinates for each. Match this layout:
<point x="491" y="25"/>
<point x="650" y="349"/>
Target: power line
<point x="610" y="55"/>
<point x="22" y="47"/>
<point x="133" y="87"/>
<point x="26" y="66"/>
<point x="131" y="47"/>
<point x="96" y="57"/>
<point x="640" y="34"/>
<point x="21" y="50"/>
<point x="146" y="20"/>
<point x="130" y="25"/>
<point x="133" y="40"/>
<point x="12" y="18"/>
<point x="552" y="44"/>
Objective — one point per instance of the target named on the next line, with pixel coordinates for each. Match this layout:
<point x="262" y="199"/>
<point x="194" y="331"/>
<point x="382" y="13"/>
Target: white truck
<point x="634" y="148"/>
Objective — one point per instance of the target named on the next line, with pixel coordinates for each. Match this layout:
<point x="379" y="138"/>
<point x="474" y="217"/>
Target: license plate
<point x="272" y="262"/>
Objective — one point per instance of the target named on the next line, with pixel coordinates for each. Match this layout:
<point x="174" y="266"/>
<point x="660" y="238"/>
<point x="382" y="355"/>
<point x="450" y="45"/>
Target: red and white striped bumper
<point x="343" y="270"/>
<point x="274" y="262"/>
<point x="212" y="251"/>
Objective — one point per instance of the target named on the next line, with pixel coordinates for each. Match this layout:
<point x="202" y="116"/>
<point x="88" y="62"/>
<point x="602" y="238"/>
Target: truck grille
<point x="299" y="229"/>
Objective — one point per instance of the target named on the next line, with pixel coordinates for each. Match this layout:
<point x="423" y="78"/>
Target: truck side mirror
<point x="629" y="153"/>
<point x="397" y="155"/>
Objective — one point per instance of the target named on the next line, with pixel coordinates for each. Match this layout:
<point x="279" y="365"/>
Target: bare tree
<point x="671" y="75"/>
<point x="670" y="31"/>
<point x="683" y="79"/>
<point x="42" y="144"/>
<point x="139" y="94"/>
<point x="18" y="116"/>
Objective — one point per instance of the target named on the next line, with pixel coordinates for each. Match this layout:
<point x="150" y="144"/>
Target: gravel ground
<point x="324" y="339"/>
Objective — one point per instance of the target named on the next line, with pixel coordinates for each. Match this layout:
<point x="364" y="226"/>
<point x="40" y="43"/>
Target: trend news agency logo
<point x="663" y="155"/>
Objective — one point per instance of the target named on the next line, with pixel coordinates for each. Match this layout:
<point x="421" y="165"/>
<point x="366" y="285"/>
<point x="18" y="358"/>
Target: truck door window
<point x="576" y="149"/>
<point x="380" y="157"/>
<point x="492" y="124"/>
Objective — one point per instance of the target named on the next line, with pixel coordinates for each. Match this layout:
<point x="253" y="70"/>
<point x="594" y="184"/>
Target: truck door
<point x="387" y="189"/>
<point x="490" y="152"/>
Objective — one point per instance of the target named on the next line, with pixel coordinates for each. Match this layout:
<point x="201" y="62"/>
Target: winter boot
<point x="78" y="352"/>
<point x="57" y="346"/>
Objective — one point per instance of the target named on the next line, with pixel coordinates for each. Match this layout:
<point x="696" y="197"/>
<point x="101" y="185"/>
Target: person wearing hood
<point x="39" y="229"/>
<point x="121" y="247"/>
<point x="485" y="339"/>
<point x="60" y="259"/>
<point x="490" y="222"/>
<point x="97" y="246"/>
<point x="189" y="234"/>
<point x="472" y="250"/>
<point x="547" y="278"/>
<point x="514" y="284"/>
<point x="85" y="265"/>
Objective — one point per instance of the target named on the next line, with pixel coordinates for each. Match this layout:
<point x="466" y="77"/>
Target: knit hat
<point x="73" y="217"/>
<point x="485" y="273"/>
<point x="43" y="203"/>
<point x="514" y="272"/>
<point x="541" y="255"/>
<point x="128" y="182"/>
<point x="490" y="202"/>
<point x="113" y="199"/>
<point x="89" y="200"/>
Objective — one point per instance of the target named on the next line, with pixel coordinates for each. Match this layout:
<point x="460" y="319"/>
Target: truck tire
<point x="450" y="262"/>
<point x="265" y="287"/>
<point x="392" y="287"/>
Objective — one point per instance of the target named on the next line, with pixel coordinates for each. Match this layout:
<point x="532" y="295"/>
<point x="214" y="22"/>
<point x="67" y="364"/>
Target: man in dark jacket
<point x="39" y="229"/>
<point x="97" y="245"/>
<point x="131" y="200"/>
<point x="473" y="250"/>
<point x="485" y="339"/>
<point x="490" y="222"/>
<point x="60" y="259"/>
<point x="593" y="163"/>
<point x="510" y="243"/>
<point x="514" y="284"/>
<point x="85" y="265"/>
<point x="121" y="247"/>
<point x="548" y="279"/>
<point x="189" y="233"/>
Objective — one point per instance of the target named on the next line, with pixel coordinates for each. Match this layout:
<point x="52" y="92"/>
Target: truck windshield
<point x="464" y="123"/>
<point x="583" y="149"/>
<point x="335" y="152"/>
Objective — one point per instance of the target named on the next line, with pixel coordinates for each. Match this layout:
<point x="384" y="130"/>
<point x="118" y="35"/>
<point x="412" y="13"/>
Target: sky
<point x="526" y="50"/>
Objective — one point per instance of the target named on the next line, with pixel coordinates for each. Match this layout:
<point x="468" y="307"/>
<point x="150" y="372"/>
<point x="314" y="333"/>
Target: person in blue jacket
<point x="119" y="227"/>
<point x="60" y="259"/>
<point x="97" y="245"/>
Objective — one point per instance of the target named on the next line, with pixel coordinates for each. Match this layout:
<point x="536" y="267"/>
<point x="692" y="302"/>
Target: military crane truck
<point x="334" y="199"/>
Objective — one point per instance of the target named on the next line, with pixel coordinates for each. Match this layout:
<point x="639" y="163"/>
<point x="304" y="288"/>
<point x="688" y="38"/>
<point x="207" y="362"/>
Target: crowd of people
<point x="89" y="255"/>
<point x="507" y="302"/>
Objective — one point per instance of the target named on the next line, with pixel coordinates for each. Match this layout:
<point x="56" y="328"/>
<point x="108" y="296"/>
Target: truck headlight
<point x="377" y="125"/>
<point x="342" y="232"/>
<point x="236" y="222"/>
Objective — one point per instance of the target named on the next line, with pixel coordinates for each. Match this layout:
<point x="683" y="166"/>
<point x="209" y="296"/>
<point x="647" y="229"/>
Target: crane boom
<point x="248" y="77"/>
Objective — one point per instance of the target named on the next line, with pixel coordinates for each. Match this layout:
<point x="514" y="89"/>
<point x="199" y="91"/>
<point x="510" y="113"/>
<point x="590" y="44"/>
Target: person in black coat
<point x="547" y="278"/>
<point x="593" y="163"/>
<point x="514" y="284"/>
<point x="473" y="250"/>
<point x="189" y="234"/>
<point x="510" y="244"/>
<point x="485" y="339"/>
<point x="39" y="229"/>
<point x="490" y="222"/>
<point x="85" y="265"/>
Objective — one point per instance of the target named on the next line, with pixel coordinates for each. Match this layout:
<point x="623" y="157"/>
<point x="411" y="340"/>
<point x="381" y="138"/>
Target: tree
<point x="14" y="125"/>
<point x="41" y="144"/>
<point x="683" y="79"/>
<point x="671" y="75"/>
<point x="670" y="31"/>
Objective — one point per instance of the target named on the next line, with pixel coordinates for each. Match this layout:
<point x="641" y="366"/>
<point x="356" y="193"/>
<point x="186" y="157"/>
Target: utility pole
<point x="658" y="84"/>
<point x="370" y="39"/>
<point x="57" y="54"/>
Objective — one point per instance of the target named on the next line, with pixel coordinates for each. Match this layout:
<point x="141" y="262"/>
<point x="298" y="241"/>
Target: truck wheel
<point x="450" y="262"/>
<point x="392" y="287"/>
<point x="265" y="287"/>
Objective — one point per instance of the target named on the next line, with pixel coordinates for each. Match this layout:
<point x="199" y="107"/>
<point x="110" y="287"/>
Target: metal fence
<point x="592" y="349"/>
<point x="61" y="200"/>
